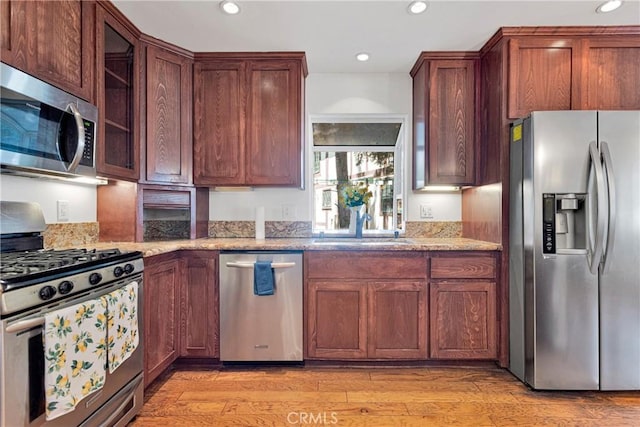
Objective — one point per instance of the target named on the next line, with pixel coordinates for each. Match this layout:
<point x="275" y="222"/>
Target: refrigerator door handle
<point x="611" y="183"/>
<point x="596" y="237"/>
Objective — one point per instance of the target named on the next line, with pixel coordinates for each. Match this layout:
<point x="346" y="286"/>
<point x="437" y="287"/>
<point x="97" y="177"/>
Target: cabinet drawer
<point x="366" y="265"/>
<point x="463" y="267"/>
<point x="166" y="198"/>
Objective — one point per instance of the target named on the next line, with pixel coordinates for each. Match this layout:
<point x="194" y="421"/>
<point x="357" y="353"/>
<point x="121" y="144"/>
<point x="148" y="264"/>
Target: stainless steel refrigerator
<point x="574" y="257"/>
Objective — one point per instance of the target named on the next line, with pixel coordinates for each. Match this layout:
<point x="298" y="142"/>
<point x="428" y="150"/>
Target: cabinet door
<point x="397" y="320"/>
<point x="199" y="308"/>
<point x="611" y="74"/>
<point x="336" y="320"/>
<point x="543" y="75"/>
<point x="274" y="123"/>
<point x="13" y="33"/>
<point x="117" y="83"/>
<point x="168" y="120"/>
<point x="161" y="314"/>
<point x="452" y="122"/>
<point x="463" y="320"/>
<point x="218" y="149"/>
<point x="53" y="41"/>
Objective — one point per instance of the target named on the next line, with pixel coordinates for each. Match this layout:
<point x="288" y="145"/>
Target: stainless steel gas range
<point x="35" y="285"/>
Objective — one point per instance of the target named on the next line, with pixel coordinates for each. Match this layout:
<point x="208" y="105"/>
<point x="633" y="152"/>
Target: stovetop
<point x="19" y="269"/>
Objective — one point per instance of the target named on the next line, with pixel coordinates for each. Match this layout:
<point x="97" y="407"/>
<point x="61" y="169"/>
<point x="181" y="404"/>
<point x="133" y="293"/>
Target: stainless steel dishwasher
<point x="260" y="328"/>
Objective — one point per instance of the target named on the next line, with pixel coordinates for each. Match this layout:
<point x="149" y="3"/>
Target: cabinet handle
<point x="251" y="264"/>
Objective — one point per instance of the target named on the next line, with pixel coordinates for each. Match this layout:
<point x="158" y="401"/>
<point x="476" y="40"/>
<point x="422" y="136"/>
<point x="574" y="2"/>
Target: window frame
<point x="400" y="166"/>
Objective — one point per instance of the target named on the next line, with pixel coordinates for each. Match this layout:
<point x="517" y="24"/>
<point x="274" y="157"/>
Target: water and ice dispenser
<point x="564" y="225"/>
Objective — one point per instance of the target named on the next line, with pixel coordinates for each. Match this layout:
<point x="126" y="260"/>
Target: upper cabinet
<point x="611" y="73"/>
<point x="249" y="119"/>
<point x="117" y="83"/>
<point x="168" y="100"/>
<point x="53" y="41"/>
<point x="445" y="93"/>
<point x="543" y="75"/>
<point x="527" y="69"/>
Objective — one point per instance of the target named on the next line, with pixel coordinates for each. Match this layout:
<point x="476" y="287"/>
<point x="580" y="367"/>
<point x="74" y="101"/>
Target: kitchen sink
<point x="367" y="241"/>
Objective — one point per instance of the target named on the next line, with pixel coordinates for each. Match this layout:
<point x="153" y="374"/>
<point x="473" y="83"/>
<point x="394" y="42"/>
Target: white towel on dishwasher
<point x="122" y="321"/>
<point x="75" y="355"/>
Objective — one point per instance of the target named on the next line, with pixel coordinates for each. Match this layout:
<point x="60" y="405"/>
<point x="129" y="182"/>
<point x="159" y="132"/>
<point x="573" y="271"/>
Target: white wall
<point x="81" y="197"/>
<point x="340" y="93"/>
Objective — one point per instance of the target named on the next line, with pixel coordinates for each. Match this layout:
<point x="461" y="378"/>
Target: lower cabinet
<point x="337" y="320"/>
<point x="162" y="280"/>
<point x="199" y="329"/>
<point x="463" y="320"/>
<point x="368" y="305"/>
<point x="180" y="309"/>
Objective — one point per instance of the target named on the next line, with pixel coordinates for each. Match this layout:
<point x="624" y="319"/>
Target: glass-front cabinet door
<point x="118" y="141"/>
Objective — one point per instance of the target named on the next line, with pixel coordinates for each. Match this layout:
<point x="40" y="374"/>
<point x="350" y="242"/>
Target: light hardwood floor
<point x="295" y="396"/>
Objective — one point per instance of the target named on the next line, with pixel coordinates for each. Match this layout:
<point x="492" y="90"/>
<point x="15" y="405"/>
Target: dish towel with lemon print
<point x="122" y="333"/>
<point x="75" y="355"/>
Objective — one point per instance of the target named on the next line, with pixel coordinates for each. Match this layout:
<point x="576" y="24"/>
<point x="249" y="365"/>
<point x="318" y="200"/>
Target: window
<point x="357" y="150"/>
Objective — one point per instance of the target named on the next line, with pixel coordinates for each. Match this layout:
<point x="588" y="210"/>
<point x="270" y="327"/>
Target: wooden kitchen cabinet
<point x="463" y="315"/>
<point x="610" y="73"/>
<point x="445" y="123"/>
<point x="525" y="69"/>
<point x="337" y="320"/>
<point x="167" y="111"/>
<point x="249" y="119"/>
<point x="199" y="318"/>
<point x="126" y="211"/>
<point x="117" y="95"/>
<point x="53" y="41"/>
<point x="368" y="305"/>
<point x="398" y="316"/>
<point x="543" y="75"/>
<point x="162" y="285"/>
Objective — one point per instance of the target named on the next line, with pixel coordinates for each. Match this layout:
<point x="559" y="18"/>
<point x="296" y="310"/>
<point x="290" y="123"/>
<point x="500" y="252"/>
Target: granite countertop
<point x="306" y="244"/>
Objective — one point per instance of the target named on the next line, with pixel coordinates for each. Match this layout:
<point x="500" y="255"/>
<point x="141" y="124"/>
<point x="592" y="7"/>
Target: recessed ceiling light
<point x="609" y="6"/>
<point x="417" y="7"/>
<point x="230" y="7"/>
<point x="362" y="56"/>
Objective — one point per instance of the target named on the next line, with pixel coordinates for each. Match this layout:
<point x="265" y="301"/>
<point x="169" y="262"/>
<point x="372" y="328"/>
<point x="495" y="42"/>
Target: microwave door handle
<point x="80" y="125"/>
<point x="608" y="168"/>
<point x="594" y="257"/>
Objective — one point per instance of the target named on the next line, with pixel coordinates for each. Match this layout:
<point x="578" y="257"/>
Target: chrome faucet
<point x="360" y="219"/>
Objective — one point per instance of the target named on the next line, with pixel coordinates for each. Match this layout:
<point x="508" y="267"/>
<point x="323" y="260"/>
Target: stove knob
<point x="47" y="292"/>
<point x="95" y="278"/>
<point x="65" y="287"/>
<point x="128" y="268"/>
<point x="118" y="271"/>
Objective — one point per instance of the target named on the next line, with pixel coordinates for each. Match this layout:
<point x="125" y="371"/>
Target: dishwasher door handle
<point x="251" y="264"/>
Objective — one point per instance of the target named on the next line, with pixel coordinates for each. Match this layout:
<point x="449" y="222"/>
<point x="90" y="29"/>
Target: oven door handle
<point x="24" y="325"/>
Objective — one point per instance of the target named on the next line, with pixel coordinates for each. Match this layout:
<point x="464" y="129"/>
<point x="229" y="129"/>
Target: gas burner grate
<point x="17" y="264"/>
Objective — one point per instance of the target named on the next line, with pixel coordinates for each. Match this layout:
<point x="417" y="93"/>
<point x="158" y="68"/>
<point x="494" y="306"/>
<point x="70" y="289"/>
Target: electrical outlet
<point x="426" y="211"/>
<point x="63" y="210"/>
<point x="288" y="212"/>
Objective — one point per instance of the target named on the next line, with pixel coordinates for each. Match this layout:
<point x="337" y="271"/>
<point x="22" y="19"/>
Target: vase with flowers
<point x="356" y="197"/>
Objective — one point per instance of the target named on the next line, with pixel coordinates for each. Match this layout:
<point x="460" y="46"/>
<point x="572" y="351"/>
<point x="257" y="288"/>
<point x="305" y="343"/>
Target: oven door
<point x="22" y="398"/>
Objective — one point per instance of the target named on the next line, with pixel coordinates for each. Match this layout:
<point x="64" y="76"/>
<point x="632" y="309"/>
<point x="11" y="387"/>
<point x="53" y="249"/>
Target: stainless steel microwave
<point x="44" y="129"/>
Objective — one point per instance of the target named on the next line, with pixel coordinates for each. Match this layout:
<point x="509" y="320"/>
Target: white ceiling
<point x="332" y="32"/>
